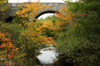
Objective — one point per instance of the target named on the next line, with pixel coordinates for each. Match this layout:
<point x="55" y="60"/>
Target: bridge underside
<point x="45" y="12"/>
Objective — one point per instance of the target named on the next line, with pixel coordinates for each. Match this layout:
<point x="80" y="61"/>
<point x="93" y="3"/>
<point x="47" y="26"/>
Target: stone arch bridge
<point x="11" y="11"/>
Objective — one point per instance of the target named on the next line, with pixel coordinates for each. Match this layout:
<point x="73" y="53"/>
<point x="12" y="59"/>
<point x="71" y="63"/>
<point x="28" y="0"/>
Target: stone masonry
<point x="11" y="11"/>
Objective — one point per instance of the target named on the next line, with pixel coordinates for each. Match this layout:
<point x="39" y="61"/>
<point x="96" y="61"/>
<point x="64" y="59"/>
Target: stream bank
<point x="50" y="57"/>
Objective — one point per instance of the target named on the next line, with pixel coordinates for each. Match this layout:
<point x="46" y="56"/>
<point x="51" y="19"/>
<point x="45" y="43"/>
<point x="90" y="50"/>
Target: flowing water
<point x="48" y="56"/>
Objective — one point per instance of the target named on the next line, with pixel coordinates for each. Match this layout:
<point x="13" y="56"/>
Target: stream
<point x="48" y="56"/>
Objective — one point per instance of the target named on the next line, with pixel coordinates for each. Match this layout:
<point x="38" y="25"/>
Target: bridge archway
<point x="9" y="19"/>
<point x="46" y="12"/>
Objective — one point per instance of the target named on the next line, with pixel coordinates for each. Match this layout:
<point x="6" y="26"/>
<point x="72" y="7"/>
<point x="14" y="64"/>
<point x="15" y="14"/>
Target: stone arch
<point x="48" y="11"/>
<point x="9" y="19"/>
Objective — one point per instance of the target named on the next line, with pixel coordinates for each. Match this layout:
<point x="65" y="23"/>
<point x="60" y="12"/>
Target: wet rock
<point x="47" y="65"/>
<point x="37" y="61"/>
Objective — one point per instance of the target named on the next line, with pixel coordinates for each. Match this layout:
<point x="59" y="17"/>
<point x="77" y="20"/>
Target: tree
<point x="3" y="6"/>
<point x="81" y="42"/>
<point x="89" y="1"/>
<point x="31" y="35"/>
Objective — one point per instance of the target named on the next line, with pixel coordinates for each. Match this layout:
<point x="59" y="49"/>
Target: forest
<point x="75" y="34"/>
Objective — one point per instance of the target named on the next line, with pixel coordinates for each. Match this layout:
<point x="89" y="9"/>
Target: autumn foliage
<point x="7" y="50"/>
<point x="32" y="31"/>
<point x="3" y="4"/>
<point x="32" y="35"/>
<point x="28" y="11"/>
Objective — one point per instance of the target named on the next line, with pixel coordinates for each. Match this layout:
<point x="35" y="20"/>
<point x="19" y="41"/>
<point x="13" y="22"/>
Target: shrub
<point x="13" y="30"/>
<point x="7" y="50"/>
<point x="81" y="41"/>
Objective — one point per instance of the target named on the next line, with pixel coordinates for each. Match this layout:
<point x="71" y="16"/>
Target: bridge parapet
<point x="12" y="9"/>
